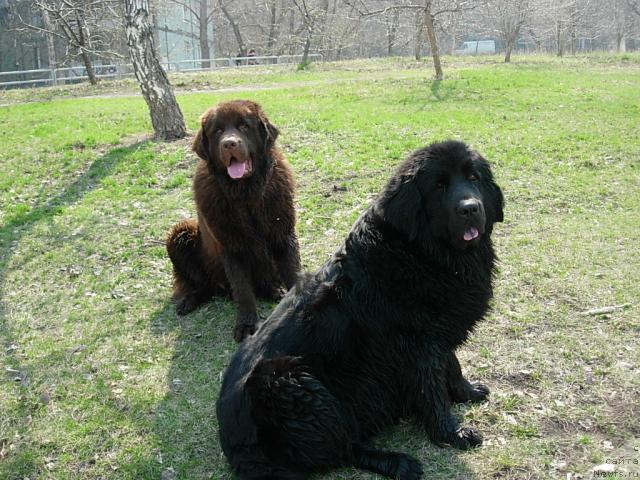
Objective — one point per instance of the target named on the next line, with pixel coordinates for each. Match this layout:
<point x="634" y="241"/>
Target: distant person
<point x="252" y="60"/>
<point x="239" y="58"/>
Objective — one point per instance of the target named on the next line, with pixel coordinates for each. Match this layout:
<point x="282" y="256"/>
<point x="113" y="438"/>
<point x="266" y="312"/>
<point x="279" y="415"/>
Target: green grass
<point x="100" y="379"/>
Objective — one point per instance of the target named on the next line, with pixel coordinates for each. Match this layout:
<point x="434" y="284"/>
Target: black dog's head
<point x="234" y="137"/>
<point x="444" y="193"/>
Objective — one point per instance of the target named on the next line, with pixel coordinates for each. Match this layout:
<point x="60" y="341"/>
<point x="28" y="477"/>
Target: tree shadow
<point x="442" y="90"/>
<point x="185" y="423"/>
<point x="16" y="227"/>
<point x="439" y="91"/>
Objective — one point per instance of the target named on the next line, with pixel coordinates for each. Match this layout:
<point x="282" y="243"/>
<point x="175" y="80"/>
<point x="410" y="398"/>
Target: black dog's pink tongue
<point x="237" y="169"/>
<point x="471" y="233"/>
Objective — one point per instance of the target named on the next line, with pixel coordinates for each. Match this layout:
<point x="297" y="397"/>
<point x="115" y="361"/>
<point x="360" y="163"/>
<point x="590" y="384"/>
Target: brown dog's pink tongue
<point x="237" y="169"/>
<point x="471" y="233"/>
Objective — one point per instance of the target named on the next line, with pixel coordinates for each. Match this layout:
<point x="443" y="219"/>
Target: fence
<point x="61" y="76"/>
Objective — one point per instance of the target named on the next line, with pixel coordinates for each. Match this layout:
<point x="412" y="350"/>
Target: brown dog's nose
<point x="231" y="142"/>
<point x="468" y="207"/>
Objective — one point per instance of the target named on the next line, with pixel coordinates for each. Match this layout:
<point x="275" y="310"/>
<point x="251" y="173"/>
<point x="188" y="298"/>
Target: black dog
<point x="371" y="337"/>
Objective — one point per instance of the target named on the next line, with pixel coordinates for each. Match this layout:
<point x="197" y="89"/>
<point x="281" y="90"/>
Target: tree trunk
<point x="83" y="40"/>
<point x="454" y="38"/>
<point x="88" y="66"/>
<point x="322" y="28"/>
<point x="292" y="31"/>
<point x="433" y="42"/>
<point x="621" y="43"/>
<point x="166" y="117"/>
<point x="305" y="52"/>
<point x="419" y="30"/>
<point x="572" y="35"/>
<point x="392" y="31"/>
<point x="203" y="33"/>
<point x="560" y="43"/>
<point x="508" y="48"/>
<point x="235" y="27"/>
<point x="51" y="47"/>
<point x="273" y="27"/>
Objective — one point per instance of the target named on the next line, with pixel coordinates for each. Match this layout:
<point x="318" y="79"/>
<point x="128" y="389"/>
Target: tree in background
<point x="506" y="18"/>
<point x="19" y="47"/>
<point x="231" y="18"/>
<point x="620" y="23"/>
<point x="166" y="117"/>
<point x="336" y="29"/>
<point x="314" y="20"/>
<point x="203" y="12"/>
<point x="427" y="13"/>
<point x="89" y="29"/>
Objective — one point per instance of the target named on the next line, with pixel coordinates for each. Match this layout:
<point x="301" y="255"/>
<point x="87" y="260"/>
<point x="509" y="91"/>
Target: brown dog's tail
<point x="185" y="251"/>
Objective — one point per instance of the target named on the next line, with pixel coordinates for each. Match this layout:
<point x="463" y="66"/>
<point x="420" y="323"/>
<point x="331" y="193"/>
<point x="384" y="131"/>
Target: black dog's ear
<point x="401" y="205"/>
<point x="494" y="190"/>
<point x="499" y="204"/>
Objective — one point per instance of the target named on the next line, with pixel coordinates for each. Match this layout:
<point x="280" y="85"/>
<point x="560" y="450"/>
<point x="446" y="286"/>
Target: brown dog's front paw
<point x="466" y="438"/>
<point x="277" y="293"/>
<point x="245" y="326"/>
<point x="186" y="304"/>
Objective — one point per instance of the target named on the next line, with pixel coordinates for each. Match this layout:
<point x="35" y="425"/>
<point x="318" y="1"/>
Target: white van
<point x="476" y="47"/>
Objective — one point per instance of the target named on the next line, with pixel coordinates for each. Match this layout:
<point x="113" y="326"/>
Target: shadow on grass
<point x="439" y="91"/>
<point x="185" y="425"/>
<point x="18" y="225"/>
<point x="436" y="90"/>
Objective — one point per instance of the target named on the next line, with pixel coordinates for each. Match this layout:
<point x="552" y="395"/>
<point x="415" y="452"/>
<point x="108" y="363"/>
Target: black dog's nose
<point x="231" y="142"/>
<point x="468" y="207"/>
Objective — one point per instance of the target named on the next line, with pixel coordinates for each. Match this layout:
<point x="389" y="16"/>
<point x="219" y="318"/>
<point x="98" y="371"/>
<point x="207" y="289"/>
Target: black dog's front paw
<point x="466" y="438"/>
<point x="479" y="393"/>
<point x="408" y="468"/>
<point x="245" y="326"/>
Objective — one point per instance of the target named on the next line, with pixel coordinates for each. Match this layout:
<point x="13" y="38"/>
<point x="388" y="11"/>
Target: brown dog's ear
<point x="271" y="131"/>
<point x="201" y="143"/>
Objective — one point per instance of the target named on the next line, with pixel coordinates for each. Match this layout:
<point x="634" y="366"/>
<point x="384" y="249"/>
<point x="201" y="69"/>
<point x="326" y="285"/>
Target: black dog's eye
<point x="441" y="186"/>
<point x="473" y="177"/>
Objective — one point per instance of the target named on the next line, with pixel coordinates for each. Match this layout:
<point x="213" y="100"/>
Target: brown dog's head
<point x="235" y="137"/>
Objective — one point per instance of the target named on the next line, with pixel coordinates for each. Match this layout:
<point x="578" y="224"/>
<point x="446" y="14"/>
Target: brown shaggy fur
<point x="243" y="242"/>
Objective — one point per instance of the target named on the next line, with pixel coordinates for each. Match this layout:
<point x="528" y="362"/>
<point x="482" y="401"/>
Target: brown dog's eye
<point x="218" y="131"/>
<point x="243" y="127"/>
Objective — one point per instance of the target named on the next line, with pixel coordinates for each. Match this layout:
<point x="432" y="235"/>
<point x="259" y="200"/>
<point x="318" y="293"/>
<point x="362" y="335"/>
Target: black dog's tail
<point x="302" y="425"/>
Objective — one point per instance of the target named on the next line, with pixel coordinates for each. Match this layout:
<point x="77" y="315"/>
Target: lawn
<point x="100" y="379"/>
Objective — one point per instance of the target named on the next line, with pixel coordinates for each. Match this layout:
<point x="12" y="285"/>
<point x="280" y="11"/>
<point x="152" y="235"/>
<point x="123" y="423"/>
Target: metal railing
<point x="61" y="76"/>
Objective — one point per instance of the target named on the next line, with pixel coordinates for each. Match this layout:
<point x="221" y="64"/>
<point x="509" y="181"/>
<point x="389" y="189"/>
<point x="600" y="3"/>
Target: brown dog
<point x="244" y="239"/>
